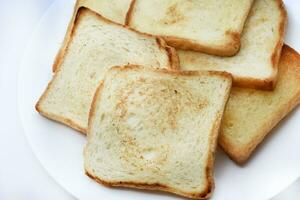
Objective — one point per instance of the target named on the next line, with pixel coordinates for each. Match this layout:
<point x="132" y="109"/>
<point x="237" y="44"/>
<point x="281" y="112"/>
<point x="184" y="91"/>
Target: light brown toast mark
<point x="173" y="16"/>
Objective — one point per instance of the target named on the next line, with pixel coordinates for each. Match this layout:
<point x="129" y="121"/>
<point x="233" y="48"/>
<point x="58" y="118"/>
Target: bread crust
<point x="59" y="56"/>
<point x="172" y="54"/>
<point x="207" y="192"/>
<point x="260" y="84"/>
<point x="241" y="155"/>
<point x="282" y="27"/>
<point x="129" y="13"/>
<point x="173" y="72"/>
<point x="93" y="106"/>
<point x="229" y="49"/>
<point x="151" y="186"/>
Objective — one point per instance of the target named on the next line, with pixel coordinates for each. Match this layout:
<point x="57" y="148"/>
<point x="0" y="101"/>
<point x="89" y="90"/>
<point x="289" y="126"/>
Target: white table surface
<point x="21" y="175"/>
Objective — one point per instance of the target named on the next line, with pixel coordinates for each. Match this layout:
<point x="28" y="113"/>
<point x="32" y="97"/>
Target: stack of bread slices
<point x="157" y="85"/>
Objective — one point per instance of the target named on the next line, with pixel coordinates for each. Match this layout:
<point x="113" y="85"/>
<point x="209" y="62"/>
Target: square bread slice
<point x="96" y="45"/>
<point x="212" y="27"/>
<point x="114" y="10"/>
<point x="255" y="65"/>
<point x="251" y="114"/>
<point x="156" y="129"/>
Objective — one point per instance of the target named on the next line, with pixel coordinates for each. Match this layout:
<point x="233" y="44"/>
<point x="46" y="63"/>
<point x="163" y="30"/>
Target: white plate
<point x="274" y="166"/>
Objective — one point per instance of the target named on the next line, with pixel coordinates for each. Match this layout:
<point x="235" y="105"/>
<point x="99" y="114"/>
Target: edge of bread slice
<point x="149" y="159"/>
<point x="174" y="21"/>
<point x="255" y="65"/>
<point x="118" y="15"/>
<point x="251" y="114"/>
<point x="68" y="96"/>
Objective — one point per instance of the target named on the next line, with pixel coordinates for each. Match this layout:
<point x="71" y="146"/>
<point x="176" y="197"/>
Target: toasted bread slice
<point x="96" y="44"/>
<point x="114" y="10"/>
<point x="212" y="27"/>
<point x="156" y="129"/>
<point x="255" y="66"/>
<point x="251" y="114"/>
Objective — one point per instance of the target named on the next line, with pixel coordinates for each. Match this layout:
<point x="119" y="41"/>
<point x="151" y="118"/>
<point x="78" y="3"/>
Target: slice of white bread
<point x="156" y="129"/>
<point x="114" y="10"/>
<point x="251" y="114"/>
<point x="212" y="27"/>
<point x="96" y="45"/>
<point x="255" y="66"/>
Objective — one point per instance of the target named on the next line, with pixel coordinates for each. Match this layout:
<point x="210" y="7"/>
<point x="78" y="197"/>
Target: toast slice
<point x="114" y="10"/>
<point x="212" y="27"/>
<point x="156" y="129"/>
<point x="255" y="65"/>
<point x="96" y="45"/>
<point x="251" y="114"/>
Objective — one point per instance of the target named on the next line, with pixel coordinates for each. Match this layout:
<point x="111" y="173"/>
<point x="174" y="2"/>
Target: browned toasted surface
<point x="137" y="84"/>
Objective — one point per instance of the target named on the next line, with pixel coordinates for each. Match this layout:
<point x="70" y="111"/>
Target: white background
<point x="21" y="176"/>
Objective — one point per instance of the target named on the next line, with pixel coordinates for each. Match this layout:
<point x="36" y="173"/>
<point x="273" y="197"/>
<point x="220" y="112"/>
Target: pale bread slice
<point x="156" y="129"/>
<point x="114" y="10"/>
<point x="96" y="45"/>
<point x="255" y="66"/>
<point x="251" y="114"/>
<point x="212" y="27"/>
